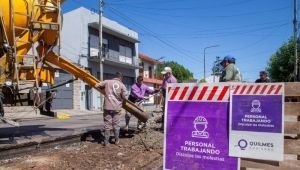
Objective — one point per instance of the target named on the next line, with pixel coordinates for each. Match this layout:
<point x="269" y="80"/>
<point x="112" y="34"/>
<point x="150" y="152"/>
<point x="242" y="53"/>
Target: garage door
<point x="64" y="97"/>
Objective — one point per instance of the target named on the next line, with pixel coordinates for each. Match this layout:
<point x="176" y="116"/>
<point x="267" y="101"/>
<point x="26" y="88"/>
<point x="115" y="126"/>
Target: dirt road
<point x="135" y="151"/>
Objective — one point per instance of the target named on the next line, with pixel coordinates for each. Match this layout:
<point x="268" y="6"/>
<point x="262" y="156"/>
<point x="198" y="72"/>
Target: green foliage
<point x="281" y="64"/>
<point x="180" y="72"/>
<point x="202" y="81"/>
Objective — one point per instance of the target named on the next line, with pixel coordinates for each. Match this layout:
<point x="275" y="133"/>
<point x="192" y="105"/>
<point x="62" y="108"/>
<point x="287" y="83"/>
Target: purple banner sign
<point x="256" y="121"/>
<point x="257" y="113"/>
<point x="197" y="136"/>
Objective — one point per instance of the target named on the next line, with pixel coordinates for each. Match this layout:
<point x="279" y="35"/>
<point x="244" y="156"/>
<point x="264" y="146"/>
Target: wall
<point x="74" y="46"/>
<point x="77" y="96"/>
<point x="147" y="71"/>
<point x="75" y="32"/>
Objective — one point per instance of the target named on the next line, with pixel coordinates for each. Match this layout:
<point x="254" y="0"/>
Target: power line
<point x="168" y="43"/>
<point x="231" y="32"/>
<point x="255" y="43"/>
<point x="194" y="7"/>
<point x="152" y="18"/>
<point x="161" y="13"/>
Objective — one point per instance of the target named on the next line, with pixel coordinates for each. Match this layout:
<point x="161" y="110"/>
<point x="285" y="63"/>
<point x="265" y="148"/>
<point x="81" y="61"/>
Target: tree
<point x="179" y="71"/>
<point x="281" y="64"/>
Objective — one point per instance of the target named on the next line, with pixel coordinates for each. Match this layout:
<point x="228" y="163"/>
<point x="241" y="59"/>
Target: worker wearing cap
<point x="168" y="78"/>
<point x="138" y="92"/>
<point x="115" y="93"/>
<point x="231" y="73"/>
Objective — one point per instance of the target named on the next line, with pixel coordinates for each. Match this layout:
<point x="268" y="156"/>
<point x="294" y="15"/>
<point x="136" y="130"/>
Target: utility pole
<point x="215" y="67"/>
<point x="204" y="60"/>
<point x="100" y="53"/>
<point x="296" y="76"/>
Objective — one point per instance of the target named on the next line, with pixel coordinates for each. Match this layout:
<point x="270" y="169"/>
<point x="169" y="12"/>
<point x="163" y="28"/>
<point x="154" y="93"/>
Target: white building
<point x="80" y="39"/>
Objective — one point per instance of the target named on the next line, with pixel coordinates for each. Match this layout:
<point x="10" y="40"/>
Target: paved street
<point x="46" y="128"/>
<point x="41" y="129"/>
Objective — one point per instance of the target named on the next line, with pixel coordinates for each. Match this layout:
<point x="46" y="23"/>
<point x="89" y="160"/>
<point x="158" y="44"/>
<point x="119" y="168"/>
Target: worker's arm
<point x="124" y="93"/>
<point x="100" y="85"/>
<point x="150" y="91"/>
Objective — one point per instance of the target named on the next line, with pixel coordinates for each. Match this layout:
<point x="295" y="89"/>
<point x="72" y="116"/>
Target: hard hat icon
<point x="200" y="120"/>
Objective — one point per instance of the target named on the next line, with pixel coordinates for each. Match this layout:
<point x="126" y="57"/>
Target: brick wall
<point x="76" y="94"/>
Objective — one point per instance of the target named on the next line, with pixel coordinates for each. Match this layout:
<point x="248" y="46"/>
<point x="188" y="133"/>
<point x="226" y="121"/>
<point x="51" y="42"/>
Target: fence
<point x="291" y="135"/>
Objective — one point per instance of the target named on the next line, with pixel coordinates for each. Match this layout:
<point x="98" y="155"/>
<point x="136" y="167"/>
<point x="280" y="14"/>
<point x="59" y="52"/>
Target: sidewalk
<point x="28" y="113"/>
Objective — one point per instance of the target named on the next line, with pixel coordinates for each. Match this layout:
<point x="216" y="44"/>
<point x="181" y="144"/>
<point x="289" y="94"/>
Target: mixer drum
<point x="22" y="9"/>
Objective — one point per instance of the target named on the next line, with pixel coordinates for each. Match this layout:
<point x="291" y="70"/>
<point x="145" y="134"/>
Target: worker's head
<point x="232" y="60"/>
<point x="167" y="72"/>
<point x="119" y="75"/>
<point x="226" y="61"/>
<point x="263" y="75"/>
<point x="139" y="80"/>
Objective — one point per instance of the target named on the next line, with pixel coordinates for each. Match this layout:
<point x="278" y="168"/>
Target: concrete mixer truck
<point x="29" y="34"/>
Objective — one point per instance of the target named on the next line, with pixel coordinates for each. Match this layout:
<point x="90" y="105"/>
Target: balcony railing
<point x="113" y="56"/>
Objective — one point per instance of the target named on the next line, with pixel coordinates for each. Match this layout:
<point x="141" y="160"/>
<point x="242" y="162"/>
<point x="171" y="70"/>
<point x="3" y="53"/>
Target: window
<point x="141" y="70"/>
<point x="94" y="45"/>
<point x="125" y="54"/>
<point x="125" y="51"/>
<point x="150" y="72"/>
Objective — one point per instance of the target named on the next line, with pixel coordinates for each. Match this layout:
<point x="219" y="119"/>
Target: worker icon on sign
<point x="200" y="125"/>
<point x="255" y="106"/>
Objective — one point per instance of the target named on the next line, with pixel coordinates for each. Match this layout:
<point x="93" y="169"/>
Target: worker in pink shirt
<point x="138" y="92"/>
<point x="168" y="78"/>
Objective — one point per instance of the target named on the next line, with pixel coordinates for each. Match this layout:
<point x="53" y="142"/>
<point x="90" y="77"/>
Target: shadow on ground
<point x="8" y="135"/>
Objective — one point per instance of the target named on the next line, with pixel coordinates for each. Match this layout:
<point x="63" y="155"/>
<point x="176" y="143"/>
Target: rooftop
<point x="149" y="59"/>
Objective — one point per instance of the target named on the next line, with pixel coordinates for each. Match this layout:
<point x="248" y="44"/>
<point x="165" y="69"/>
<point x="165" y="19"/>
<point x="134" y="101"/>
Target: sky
<point x="179" y="30"/>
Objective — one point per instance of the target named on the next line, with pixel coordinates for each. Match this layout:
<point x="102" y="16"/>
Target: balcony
<point x="112" y="57"/>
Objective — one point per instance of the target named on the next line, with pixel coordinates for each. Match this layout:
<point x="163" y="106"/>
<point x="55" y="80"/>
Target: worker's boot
<point x="139" y="125"/>
<point x="117" y="133"/>
<point x="106" y="137"/>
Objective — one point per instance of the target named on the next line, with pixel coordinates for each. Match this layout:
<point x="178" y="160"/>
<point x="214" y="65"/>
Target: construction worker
<point x="115" y="93"/>
<point x="168" y="78"/>
<point x="263" y="77"/>
<point x="138" y="92"/>
<point x="232" y="61"/>
<point x="231" y="73"/>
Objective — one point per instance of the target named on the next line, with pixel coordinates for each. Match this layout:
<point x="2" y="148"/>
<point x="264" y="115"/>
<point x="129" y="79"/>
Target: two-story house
<point x="147" y="69"/>
<point x="80" y="41"/>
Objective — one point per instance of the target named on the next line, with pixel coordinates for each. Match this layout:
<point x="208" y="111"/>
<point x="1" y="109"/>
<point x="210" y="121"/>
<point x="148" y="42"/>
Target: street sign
<point x="256" y="121"/>
<point x="196" y="128"/>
